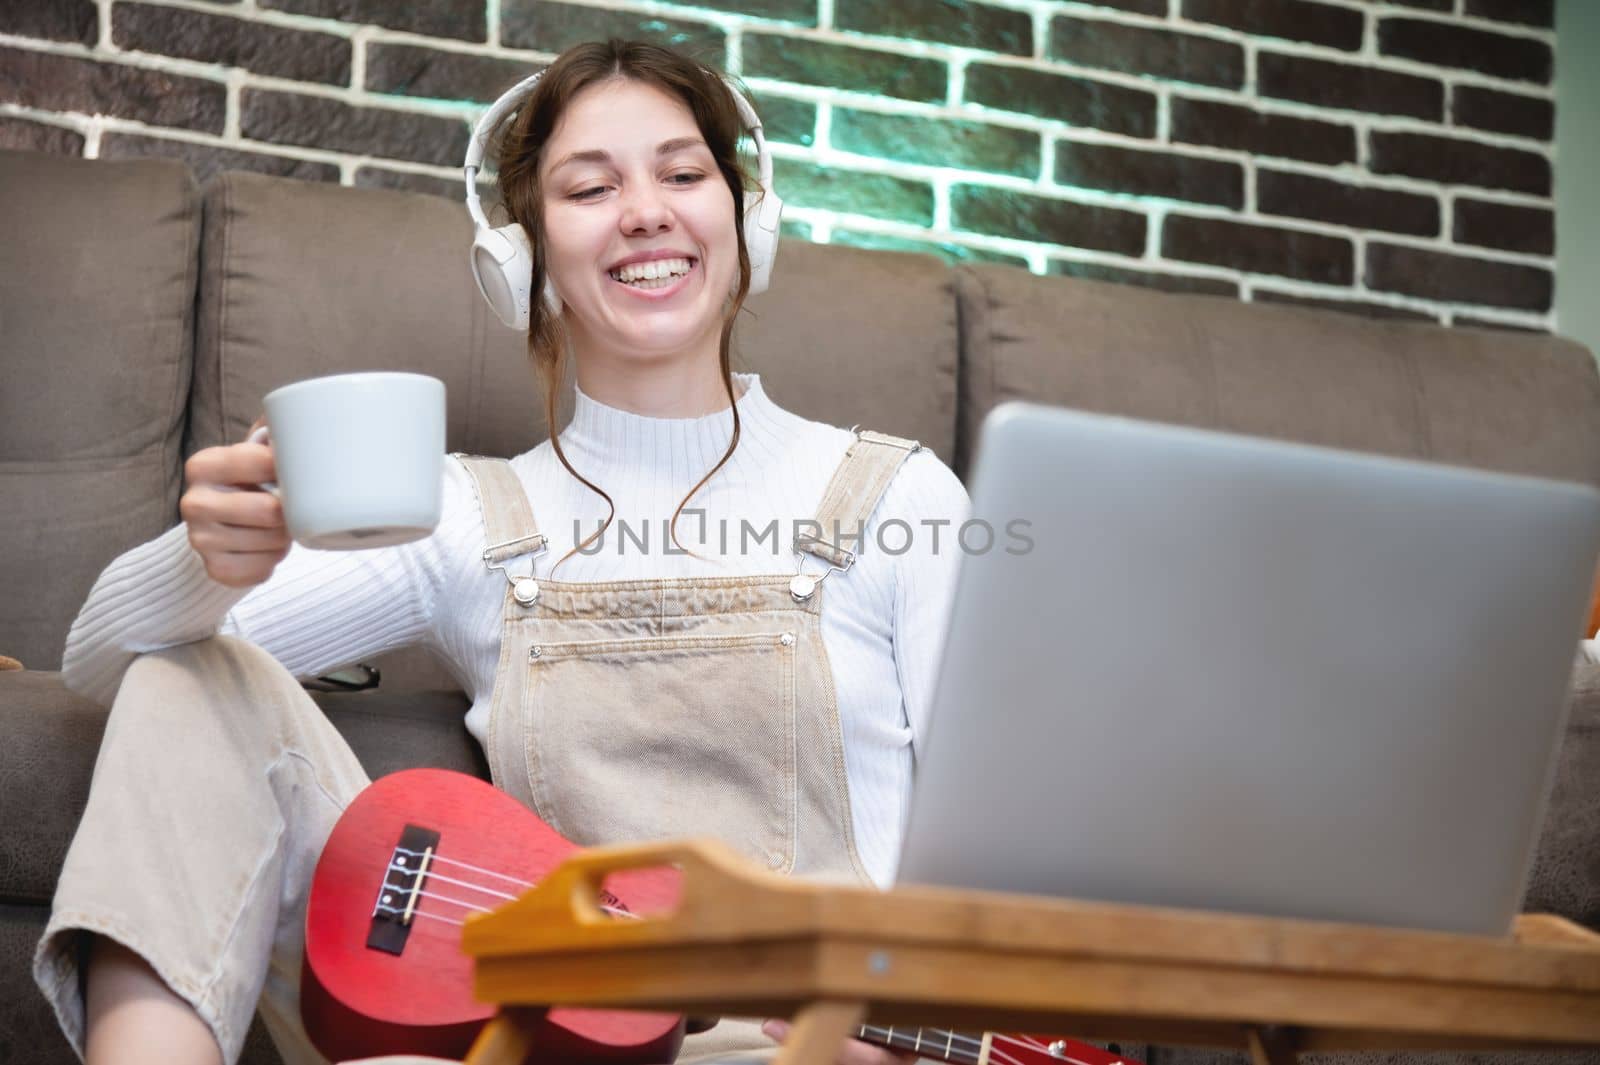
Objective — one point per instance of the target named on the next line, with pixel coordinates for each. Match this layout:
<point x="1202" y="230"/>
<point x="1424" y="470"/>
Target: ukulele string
<point x="470" y="868"/>
<point x="970" y="1044"/>
<point x="421" y="913"/>
<point x="1029" y="1043"/>
<point x="467" y="884"/>
<point x="996" y="1054"/>
<point x="434" y="875"/>
<point x="966" y="1043"/>
<point x="524" y="884"/>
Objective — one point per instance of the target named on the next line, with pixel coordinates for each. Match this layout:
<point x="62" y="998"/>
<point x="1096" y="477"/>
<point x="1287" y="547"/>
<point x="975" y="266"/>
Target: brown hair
<point x="520" y="143"/>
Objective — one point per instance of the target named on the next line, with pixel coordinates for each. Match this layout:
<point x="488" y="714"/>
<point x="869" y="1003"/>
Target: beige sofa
<point x="142" y="317"/>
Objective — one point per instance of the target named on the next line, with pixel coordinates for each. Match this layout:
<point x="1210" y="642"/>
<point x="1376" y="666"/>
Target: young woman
<point x="693" y="686"/>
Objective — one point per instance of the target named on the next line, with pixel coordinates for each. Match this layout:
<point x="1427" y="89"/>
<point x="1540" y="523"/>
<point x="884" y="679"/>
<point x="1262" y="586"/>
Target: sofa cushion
<point x="854" y="336"/>
<point x="96" y="322"/>
<point x="1494" y="400"/>
<point x="302" y="279"/>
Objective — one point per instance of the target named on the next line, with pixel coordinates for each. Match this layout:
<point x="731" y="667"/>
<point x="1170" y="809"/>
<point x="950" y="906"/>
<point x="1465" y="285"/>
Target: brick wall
<point x="1386" y="158"/>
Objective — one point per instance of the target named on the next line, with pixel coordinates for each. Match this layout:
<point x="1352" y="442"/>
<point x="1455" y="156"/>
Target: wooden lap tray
<point x="746" y="942"/>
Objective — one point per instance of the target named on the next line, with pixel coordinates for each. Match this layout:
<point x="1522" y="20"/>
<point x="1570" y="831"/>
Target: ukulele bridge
<point x="401" y="890"/>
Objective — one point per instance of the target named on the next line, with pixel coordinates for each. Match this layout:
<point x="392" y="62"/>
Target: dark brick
<point x="67" y="83"/>
<point x="801" y="12"/>
<point x="1294" y="20"/>
<point x="1466" y="48"/>
<point x="1210" y="286"/>
<point x="432" y="73"/>
<point x="1063" y="97"/>
<point x="1349" y="86"/>
<point x="1466" y="321"/>
<point x="1161" y="53"/>
<point x="20" y="134"/>
<point x="1361" y="307"/>
<point x="1142" y="7"/>
<point x="785" y="119"/>
<point x="1003" y="213"/>
<point x="1528" y="12"/>
<point x="957" y="22"/>
<point x="1144" y="173"/>
<point x="318" y="122"/>
<point x="1223" y="125"/>
<point x="838" y="66"/>
<point x="949" y="251"/>
<point x="208" y="159"/>
<point x="550" y="27"/>
<point x="1503" y="112"/>
<point x="465" y="20"/>
<point x="53" y="20"/>
<point x="1456" y="278"/>
<point x="1304" y="196"/>
<point x="377" y="177"/>
<point x="1259" y="249"/>
<point x="938" y="141"/>
<point x="1459" y="162"/>
<point x="300" y="55"/>
<point x="878" y="195"/>
<point x="1427" y="5"/>
<point x="1504" y="225"/>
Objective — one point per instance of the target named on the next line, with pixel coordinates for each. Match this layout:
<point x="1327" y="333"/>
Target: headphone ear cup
<point x="502" y="265"/>
<point x="762" y="215"/>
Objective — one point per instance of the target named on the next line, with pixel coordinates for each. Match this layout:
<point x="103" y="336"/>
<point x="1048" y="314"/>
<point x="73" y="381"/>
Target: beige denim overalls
<point x="648" y="709"/>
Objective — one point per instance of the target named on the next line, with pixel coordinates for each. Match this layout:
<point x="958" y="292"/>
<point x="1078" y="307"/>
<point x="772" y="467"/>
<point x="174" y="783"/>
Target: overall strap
<point x="507" y="517"/>
<point x="862" y="477"/>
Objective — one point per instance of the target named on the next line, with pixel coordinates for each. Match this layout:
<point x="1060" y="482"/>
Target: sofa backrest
<point x="97" y="281"/>
<point x="1518" y="402"/>
<point x="109" y="286"/>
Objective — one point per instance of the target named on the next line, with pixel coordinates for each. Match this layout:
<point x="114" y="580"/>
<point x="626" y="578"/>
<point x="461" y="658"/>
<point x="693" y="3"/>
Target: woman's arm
<point x="928" y="497"/>
<point x="317" y="611"/>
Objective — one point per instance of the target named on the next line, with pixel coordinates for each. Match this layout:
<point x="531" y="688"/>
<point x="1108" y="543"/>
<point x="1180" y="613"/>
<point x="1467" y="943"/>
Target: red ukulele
<point x="412" y="856"/>
<point x="418" y="851"/>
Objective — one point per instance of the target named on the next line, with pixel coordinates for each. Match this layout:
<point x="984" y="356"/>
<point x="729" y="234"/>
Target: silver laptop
<point x="1244" y="675"/>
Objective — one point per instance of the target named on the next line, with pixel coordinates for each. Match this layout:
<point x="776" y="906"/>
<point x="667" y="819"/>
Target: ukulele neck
<point x="930" y="1043"/>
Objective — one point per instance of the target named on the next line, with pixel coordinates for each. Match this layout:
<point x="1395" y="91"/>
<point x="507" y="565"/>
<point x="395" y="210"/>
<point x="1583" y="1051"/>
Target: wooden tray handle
<point x="714" y="878"/>
<point x="708" y="866"/>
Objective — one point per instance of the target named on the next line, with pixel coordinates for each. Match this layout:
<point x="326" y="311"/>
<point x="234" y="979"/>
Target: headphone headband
<point x="512" y="97"/>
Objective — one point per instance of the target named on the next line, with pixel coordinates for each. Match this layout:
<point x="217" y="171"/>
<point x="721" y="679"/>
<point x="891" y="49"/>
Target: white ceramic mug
<point x="360" y="458"/>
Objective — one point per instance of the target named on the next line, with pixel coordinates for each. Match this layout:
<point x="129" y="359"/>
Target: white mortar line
<point x="104" y="18"/>
<point x="231" y="119"/>
<point x="358" y="58"/>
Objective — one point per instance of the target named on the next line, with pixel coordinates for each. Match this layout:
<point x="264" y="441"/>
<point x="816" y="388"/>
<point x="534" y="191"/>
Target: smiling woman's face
<point x="631" y="190"/>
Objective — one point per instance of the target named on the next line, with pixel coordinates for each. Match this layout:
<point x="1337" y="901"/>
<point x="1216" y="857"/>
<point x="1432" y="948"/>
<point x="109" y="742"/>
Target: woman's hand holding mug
<point x="353" y="461"/>
<point x="235" y="527"/>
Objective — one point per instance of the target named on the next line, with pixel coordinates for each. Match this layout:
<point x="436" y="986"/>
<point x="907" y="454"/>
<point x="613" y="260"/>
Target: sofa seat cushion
<point x="96" y="322"/>
<point x="53" y="736"/>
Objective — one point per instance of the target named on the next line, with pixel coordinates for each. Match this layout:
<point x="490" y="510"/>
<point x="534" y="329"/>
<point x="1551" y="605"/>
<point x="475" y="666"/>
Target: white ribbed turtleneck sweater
<point x="882" y="621"/>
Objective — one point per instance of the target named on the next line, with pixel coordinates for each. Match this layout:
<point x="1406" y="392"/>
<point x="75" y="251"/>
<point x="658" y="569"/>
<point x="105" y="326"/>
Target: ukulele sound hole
<point x="401" y="891"/>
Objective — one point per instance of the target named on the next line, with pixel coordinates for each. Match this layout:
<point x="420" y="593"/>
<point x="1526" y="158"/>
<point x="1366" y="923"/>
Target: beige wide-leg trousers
<point x="217" y="784"/>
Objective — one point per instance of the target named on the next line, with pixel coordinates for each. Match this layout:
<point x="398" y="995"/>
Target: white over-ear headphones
<point x="502" y="258"/>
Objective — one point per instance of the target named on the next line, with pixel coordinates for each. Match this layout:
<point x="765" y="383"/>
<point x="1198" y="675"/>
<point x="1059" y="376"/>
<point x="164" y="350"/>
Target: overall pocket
<point x="666" y="736"/>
